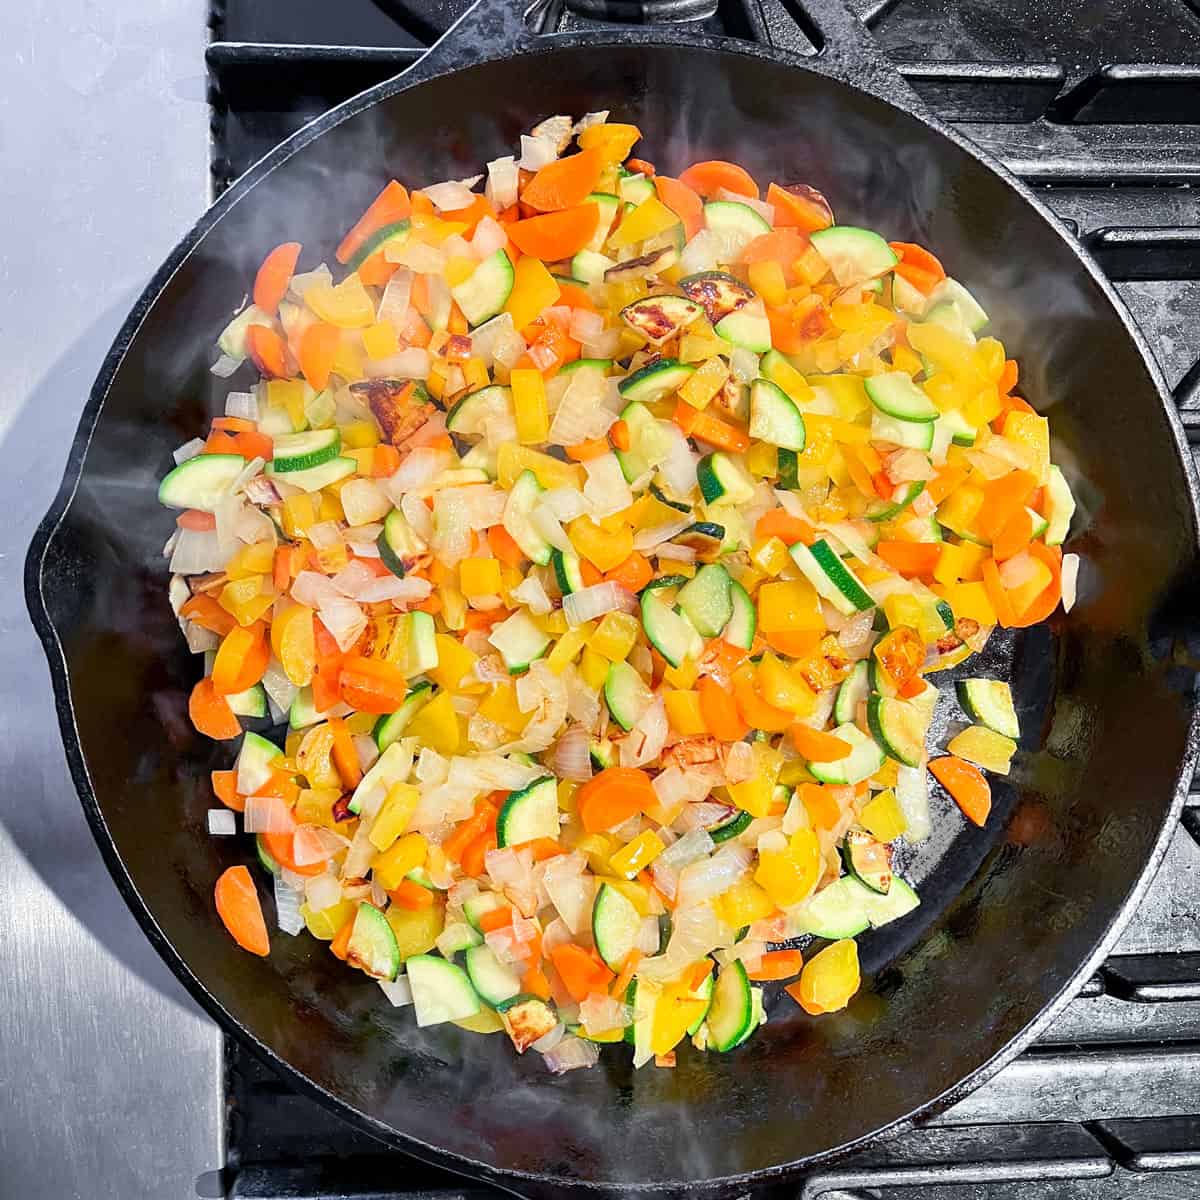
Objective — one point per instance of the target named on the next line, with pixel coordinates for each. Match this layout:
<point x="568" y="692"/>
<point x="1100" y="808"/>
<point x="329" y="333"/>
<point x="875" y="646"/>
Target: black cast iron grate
<point x="1099" y="107"/>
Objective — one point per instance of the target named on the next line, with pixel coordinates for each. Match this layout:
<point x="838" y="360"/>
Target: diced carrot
<point x="799" y="207"/>
<point x="590" y="573"/>
<point x="997" y="593"/>
<point x="345" y="756"/>
<point x="750" y="706"/>
<point x="911" y="559"/>
<point x="619" y="434"/>
<point x="579" y="971"/>
<point x="1014" y="537"/>
<point x="234" y="425"/>
<point x="778" y="522"/>
<point x="641" y="167"/>
<point x="536" y="983"/>
<point x="241" y="911"/>
<point x="682" y="201"/>
<point x="267" y="351"/>
<point x="628" y="970"/>
<point x="471" y="215"/>
<point x="571" y="295"/>
<point x="248" y="445"/>
<point x="612" y="797"/>
<point x="1002" y="498"/>
<point x="782" y="246"/>
<point x="318" y="348"/>
<point x="210" y="712"/>
<point x="502" y="545"/>
<point x="793" y="990"/>
<point x="708" y="178"/>
<point x="720" y="711"/>
<point x="946" y="480"/>
<point x="466" y="831"/>
<point x="823" y="804"/>
<point x="1008" y="376"/>
<point x="918" y="266"/>
<point x="194" y="519"/>
<point x="633" y="573"/>
<point x="883" y="485"/>
<point x="208" y="614"/>
<point x="412" y="896"/>
<point x="386" y="461"/>
<point x="474" y="857"/>
<point x="817" y="746"/>
<point x="556" y="235"/>
<point x="565" y="182"/>
<point x="1048" y="600"/>
<point x="281" y="847"/>
<point x="586" y="451"/>
<point x="391" y="205"/>
<point x="721" y="658"/>
<point x="777" y="964"/>
<point x="340" y="946"/>
<point x="375" y="271"/>
<point x="225" y="787"/>
<point x="542" y="848"/>
<point x="271" y="282"/>
<point x="496" y="918"/>
<point x="966" y="785"/>
<point x="914" y="685"/>
<point x="710" y="429"/>
<point x="795" y="643"/>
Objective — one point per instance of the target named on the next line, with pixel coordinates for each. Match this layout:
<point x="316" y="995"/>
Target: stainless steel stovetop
<point x="118" y="1086"/>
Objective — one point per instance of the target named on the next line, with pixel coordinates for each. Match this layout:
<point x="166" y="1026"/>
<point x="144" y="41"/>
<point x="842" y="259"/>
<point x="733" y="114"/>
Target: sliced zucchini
<point x="989" y="702"/>
<point x="493" y="981"/>
<point x="900" y="900"/>
<point x="879" y="680"/>
<point x="457" y="937"/>
<point x="250" y="703"/>
<point x="743" y="620"/>
<point x="372" y="945"/>
<point x="645" y="265"/>
<point x="902" y="497"/>
<point x="589" y="266"/>
<point x="634" y="188"/>
<point x="864" y="759"/>
<point x="264" y="856"/>
<point x="316" y="478"/>
<point x="721" y="478"/>
<point x="603" y="365"/>
<point x="201" y="482"/>
<point x="705" y="992"/>
<point x="656" y="381"/>
<point x="469" y="417"/>
<point x="730" y="827"/>
<point x="774" y="417"/>
<point x="483" y="294"/>
<point x="835" y="912"/>
<point x="658" y="318"/>
<point x="915" y="435"/>
<point x="731" y="1014"/>
<point x="832" y="577"/>
<point x="303" y="711"/>
<point x="602" y="753"/>
<point x="869" y="861"/>
<point x="608" y="204"/>
<point x="950" y="316"/>
<point x="908" y="299"/>
<point x="951" y="292"/>
<point x="662" y="498"/>
<point x="669" y="632"/>
<point x="441" y="991"/>
<point x="422" y="643"/>
<point x="520" y="641"/>
<point x="705" y="537"/>
<point x="615" y="925"/>
<point x="518" y="518"/>
<point x="1062" y="507"/>
<point x="397" y="544"/>
<point x="854" y="255"/>
<point x="898" y="727"/>
<point x="727" y="216"/>
<point x="648" y="443"/>
<point x="232" y="339"/>
<point x="568" y="570"/>
<point x="391" y="234"/>
<point x="299" y="451"/>
<point x="706" y="601"/>
<point x="529" y="813"/>
<point x="747" y="327"/>
<point x="392" y="725"/>
<point x="895" y="395"/>
<point x="475" y="907"/>
<point x="254" y="762"/>
<point x="853" y="691"/>
<point x="962" y="432"/>
<point x="789" y="469"/>
<point x="527" y="1019"/>
<point x="626" y="694"/>
<point x="717" y="292"/>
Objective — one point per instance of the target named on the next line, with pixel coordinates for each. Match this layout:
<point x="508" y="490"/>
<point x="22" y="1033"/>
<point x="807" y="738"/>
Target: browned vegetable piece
<point x="401" y="406"/>
<point x="718" y="293"/>
<point x="658" y="318"/>
<point x="639" y="268"/>
<point x="526" y="1019"/>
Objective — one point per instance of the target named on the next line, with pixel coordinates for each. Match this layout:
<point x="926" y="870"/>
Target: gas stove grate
<point x="1101" y="1107"/>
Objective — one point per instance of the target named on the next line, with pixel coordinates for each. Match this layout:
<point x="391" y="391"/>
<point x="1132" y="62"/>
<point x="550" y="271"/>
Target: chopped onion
<point x="674" y="787"/>
<point x="364" y="501"/>
<point x="690" y="848"/>
<point x="644" y="743"/>
<point x="1019" y="570"/>
<point x="287" y="908"/>
<point x="242" y="404"/>
<point x="590" y="119"/>
<point x="604" y="345"/>
<point x="912" y="794"/>
<point x="570" y="891"/>
<point x="678" y="469"/>
<point x="565" y="503"/>
<point x="411" y="590"/>
<point x="591" y="602"/>
<point x="536" y="152"/>
<point x="548" y="1041"/>
<point x="606" y="489"/>
<point x="570" y="1054"/>
<point x="502" y="182"/>
<point x="196" y="552"/>
<point x="279" y="688"/>
<point x="398" y="990"/>
<point x="572" y="757"/>
<point x="396" y="297"/>
<point x="549" y="526"/>
<point x="666" y="878"/>
<point x="557" y="128"/>
<point x="225" y="366"/>
<point x="656" y="535"/>
<point x="418" y="516"/>
<point x="222" y="822"/>
<point x="703" y="815"/>
<point x="352" y="578"/>
<point x="420" y="256"/>
<point x="676" y="553"/>
<point x="305" y="279"/>
<point x="198" y="638"/>
<point x="600" y="1012"/>
<point x="508" y="866"/>
<point x="411" y="363"/>
<point x="267" y="814"/>
<point x="261" y="490"/>
<point x="532" y="594"/>
<point x="322" y="891"/>
<point x="739" y="763"/>
<point x="311" y="588"/>
<point x="450" y="195"/>
<point x="188" y="450"/>
<point x="585" y="325"/>
<point x="857" y="631"/>
<point x="344" y="620"/>
<point x="366" y="749"/>
<point x="908" y="466"/>
<point x="583" y="704"/>
<point x="744" y="364"/>
<point x="764" y="210"/>
<point x="485" y="338"/>
<point x="1070" y="580"/>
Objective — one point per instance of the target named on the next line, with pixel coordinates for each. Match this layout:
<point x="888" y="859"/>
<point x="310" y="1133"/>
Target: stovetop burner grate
<point x="1102" y="116"/>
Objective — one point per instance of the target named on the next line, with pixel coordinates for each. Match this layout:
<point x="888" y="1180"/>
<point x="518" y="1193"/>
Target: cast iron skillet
<point x="1013" y="916"/>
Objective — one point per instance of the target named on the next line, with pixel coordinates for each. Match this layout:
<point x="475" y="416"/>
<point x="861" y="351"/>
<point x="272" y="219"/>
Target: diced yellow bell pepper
<point x="901" y="608"/>
<point x="766" y="278"/>
<point x="614" y="142"/>
<point x="973" y="557"/>
<point x="529" y="403"/>
<point x="458" y="269"/>
<point x="794" y="772"/>
<point x="598" y="848"/>
<point x="985" y="748"/>
<point x="969" y="601"/>
<point x="754" y="795"/>
<point x="830" y="978"/>
<point x="781" y="373"/>
<point x="950" y="563"/>
<point x="436" y="725"/>
<point x="634" y="892"/>
<point x="699" y="344"/>
<point x="416" y="929"/>
<point x="568" y="646"/>
<point x="770" y="556"/>
<point x="380" y="340"/>
<point x="500" y="705"/>
<point x="255" y="559"/>
<point x="348" y="305"/>
<point x="983" y="406"/>
<point x="247" y="599"/>
<point x="486" y="1020"/>
<point x="1028" y="429"/>
<point x="479" y="577"/>
<point x="903" y="359"/>
<point x="324" y="923"/>
<point x="887" y="776"/>
<point x="551" y="473"/>
<point x="651" y="217"/>
<point x="534" y="289"/>
<point x="359" y="434"/>
<point x="675" y="1011"/>
<point x="314" y="806"/>
<point x="394" y="816"/>
<point x="762" y="460"/>
<point x="615" y="636"/>
<point x="743" y="903"/>
<point x="708" y="379"/>
<point x="783" y="687"/>
<point x="683" y="676"/>
<point x="603" y="548"/>
<point x="945" y="349"/>
<point x="455" y="665"/>
<point x="554" y="623"/>
<point x="364" y="459"/>
<point x="789" y="876"/>
<point x="293" y="638"/>
<point x="883" y="818"/>
<point x="988" y="359"/>
<point x="787" y="606"/>
<point x="848" y="392"/>
<point x="959" y="509"/>
<point x="282" y="392"/>
<point x="475" y="373"/>
<point x="299" y="514"/>
<point x="593" y="667"/>
<point x="635" y="855"/>
<point x="566" y="796"/>
<point x="403" y="855"/>
<point x="683" y="713"/>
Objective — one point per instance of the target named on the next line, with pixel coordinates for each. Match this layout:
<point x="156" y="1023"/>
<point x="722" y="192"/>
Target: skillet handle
<point x="845" y="49"/>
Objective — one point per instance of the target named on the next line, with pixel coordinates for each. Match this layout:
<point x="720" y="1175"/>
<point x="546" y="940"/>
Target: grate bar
<point x="1153" y="978"/>
<point x="1134" y="93"/>
<point x="1170" y="1144"/>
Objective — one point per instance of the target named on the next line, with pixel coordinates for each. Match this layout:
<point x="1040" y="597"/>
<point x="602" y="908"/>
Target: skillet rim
<point x="509" y="1179"/>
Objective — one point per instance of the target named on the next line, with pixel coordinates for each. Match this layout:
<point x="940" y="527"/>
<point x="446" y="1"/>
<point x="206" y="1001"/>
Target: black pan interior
<point x="1010" y="913"/>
